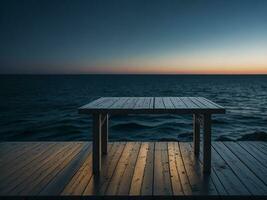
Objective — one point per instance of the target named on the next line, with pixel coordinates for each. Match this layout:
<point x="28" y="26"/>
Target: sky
<point x="133" y="36"/>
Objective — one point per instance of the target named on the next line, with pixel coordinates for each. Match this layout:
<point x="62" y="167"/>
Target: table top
<point x="152" y="105"/>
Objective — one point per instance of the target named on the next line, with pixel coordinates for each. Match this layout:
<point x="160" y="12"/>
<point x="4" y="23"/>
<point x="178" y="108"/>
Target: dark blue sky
<point x="133" y="36"/>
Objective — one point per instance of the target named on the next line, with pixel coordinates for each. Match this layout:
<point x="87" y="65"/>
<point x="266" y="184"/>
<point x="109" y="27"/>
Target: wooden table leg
<point x="105" y="134"/>
<point x="196" y="133"/>
<point x="97" y="144"/>
<point x="207" y="144"/>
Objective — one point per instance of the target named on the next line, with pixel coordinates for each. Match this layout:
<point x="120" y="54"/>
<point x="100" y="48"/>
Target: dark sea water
<point x="44" y="107"/>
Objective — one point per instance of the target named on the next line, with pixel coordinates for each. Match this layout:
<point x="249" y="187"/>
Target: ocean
<point x="44" y="107"/>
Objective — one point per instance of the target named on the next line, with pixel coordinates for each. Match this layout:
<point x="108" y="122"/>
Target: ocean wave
<point x="256" y="136"/>
<point x="186" y="135"/>
<point x="138" y="126"/>
<point x="217" y="121"/>
<point x="223" y="138"/>
<point x="129" y="126"/>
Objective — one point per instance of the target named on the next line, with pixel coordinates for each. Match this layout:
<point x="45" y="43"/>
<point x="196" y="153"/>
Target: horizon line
<point x="229" y="74"/>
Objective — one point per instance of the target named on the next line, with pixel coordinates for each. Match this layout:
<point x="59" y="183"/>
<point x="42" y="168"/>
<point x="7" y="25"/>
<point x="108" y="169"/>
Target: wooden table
<point x="201" y="109"/>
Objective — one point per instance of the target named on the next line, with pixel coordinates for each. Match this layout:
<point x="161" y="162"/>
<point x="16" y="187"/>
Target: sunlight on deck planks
<point x="132" y="168"/>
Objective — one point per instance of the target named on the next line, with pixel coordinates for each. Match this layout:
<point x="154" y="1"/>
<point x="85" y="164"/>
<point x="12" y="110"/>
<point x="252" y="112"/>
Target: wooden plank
<point x="188" y="103"/>
<point x="228" y="177"/>
<point x="119" y="103"/>
<point x="178" y="104"/>
<point x="140" y="103"/>
<point x="209" y="103"/>
<point x="24" y="172"/>
<point x="213" y="176"/>
<point x="145" y="103"/>
<point x="120" y="168"/>
<point x="252" y="183"/>
<point x="98" y="185"/>
<point x="97" y="148"/>
<point x="237" y="169"/>
<point x="79" y="181"/>
<point x="55" y="170"/>
<point x="13" y="150"/>
<point x="174" y="173"/>
<point x="130" y="103"/>
<point x="159" y="104"/>
<point x="19" y="155"/>
<point x="258" y="145"/>
<point x="104" y="134"/>
<point x="93" y="104"/>
<point x="101" y="103"/>
<point x="126" y="105"/>
<point x="148" y="103"/>
<point x="253" y="164"/>
<point x="56" y="185"/>
<point x="196" y="133"/>
<point x="147" y="184"/>
<point x="40" y="178"/>
<point x="200" y="184"/>
<point x="207" y="143"/>
<point x="139" y="170"/>
<point x="168" y="103"/>
<point x="109" y="101"/>
<point x="125" y="181"/>
<point x="255" y="152"/>
<point x="187" y="190"/>
<point x="263" y="144"/>
<point x="198" y="103"/>
<point x="32" y="171"/>
<point x="162" y="181"/>
<point x="8" y="169"/>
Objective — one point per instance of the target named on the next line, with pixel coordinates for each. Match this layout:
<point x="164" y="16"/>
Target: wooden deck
<point x="132" y="168"/>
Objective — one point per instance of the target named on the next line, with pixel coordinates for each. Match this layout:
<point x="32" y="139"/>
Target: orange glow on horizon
<point x="179" y="70"/>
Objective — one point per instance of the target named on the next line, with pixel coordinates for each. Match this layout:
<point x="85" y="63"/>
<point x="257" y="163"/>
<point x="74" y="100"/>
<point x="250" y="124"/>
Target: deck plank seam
<point x="189" y="98"/>
<point x="172" y="102"/>
<point x="79" y="155"/>
<point x="133" y="107"/>
<point x="92" y="177"/>
<point x="153" y="179"/>
<point x="257" y="147"/>
<point x="73" y="153"/>
<point x="182" y="158"/>
<point x="237" y="176"/>
<point x="252" y="155"/>
<point x="129" y="158"/>
<point x="79" y="171"/>
<point x="183" y="190"/>
<point x="36" y="170"/>
<point x="182" y="100"/>
<point x="105" y="191"/>
<point x="30" y="162"/>
<point x="134" y="168"/>
<point x="21" y="152"/>
<point x="153" y="155"/>
<point x="168" y="156"/>
<point x="214" y="172"/>
<point x="245" y="164"/>
<point x="162" y="99"/>
<point x="33" y="172"/>
<point x="215" y="104"/>
<point x="205" y="106"/>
